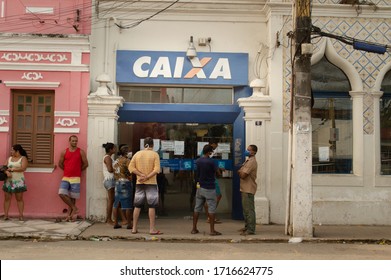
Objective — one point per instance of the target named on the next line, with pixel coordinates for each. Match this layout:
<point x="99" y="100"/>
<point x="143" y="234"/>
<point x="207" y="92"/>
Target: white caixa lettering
<point x="144" y="68"/>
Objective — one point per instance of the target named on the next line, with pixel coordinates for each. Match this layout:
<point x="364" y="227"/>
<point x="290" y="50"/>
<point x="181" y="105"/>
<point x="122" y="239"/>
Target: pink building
<point x="44" y="73"/>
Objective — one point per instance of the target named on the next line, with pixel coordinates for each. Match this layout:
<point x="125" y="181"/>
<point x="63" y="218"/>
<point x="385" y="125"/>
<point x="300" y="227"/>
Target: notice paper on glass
<point x="224" y="148"/>
<point x="324" y="154"/>
<point x="167" y="145"/>
<point x="179" y="148"/>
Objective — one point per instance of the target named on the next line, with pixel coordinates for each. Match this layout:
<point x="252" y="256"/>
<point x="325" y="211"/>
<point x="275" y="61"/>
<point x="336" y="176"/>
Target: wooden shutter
<point x="33" y="125"/>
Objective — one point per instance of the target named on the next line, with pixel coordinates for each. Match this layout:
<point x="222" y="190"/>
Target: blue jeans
<point x="123" y="194"/>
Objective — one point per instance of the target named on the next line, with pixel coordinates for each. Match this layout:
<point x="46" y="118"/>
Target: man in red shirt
<point x="73" y="161"/>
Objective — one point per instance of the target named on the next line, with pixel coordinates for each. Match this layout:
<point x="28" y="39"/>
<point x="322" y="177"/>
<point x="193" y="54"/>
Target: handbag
<point x="3" y="175"/>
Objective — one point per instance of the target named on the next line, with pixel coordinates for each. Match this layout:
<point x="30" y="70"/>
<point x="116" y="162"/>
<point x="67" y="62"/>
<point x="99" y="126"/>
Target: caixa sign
<point x="151" y="67"/>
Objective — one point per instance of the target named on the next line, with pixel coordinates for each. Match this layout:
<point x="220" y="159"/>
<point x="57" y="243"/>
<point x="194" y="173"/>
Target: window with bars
<point x="33" y="122"/>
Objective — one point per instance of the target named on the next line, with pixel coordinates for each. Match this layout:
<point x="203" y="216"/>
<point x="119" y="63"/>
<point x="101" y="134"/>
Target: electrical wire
<point x="15" y="23"/>
<point x="317" y="32"/>
<point x="147" y="18"/>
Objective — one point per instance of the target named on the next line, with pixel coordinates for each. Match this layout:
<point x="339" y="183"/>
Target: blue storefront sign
<point x="154" y="67"/>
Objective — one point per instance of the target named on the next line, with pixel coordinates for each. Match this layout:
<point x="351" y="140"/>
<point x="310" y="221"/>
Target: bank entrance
<point x="180" y="130"/>
<point x="179" y="145"/>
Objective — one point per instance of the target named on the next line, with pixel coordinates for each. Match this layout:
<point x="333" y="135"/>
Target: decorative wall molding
<point x="3" y="120"/>
<point x="32" y="76"/>
<point x="66" y="121"/>
<point x="44" y="67"/>
<point x="34" y="57"/>
<point x="66" y="114"/>
<point x="32" y="84"/>
<point x="4" y="128"/>
<point x="66" y="130"/>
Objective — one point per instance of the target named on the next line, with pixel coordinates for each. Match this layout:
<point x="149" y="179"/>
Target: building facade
<point x="234" y="86"/>
<point x="44" y="73"/>
<point x="141" y="47"/>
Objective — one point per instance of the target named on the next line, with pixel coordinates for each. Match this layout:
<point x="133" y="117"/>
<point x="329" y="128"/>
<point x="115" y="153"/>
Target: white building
<point x="237" y="89"/>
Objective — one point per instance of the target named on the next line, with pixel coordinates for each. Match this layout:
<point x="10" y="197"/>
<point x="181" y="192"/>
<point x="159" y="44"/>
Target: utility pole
<point x="301" y="190"/>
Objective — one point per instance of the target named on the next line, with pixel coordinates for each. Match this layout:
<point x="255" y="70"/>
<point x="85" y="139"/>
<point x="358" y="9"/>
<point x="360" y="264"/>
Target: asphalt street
<point x="157" y="250"/>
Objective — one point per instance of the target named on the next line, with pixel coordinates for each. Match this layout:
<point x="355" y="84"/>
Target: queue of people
<point x="125" y="199"/>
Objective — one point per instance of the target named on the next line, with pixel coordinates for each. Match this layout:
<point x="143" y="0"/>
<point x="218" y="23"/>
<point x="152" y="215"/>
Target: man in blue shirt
<point x="206" y="192"/>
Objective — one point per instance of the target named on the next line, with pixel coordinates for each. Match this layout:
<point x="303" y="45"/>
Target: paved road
<point x="128" y="250"/>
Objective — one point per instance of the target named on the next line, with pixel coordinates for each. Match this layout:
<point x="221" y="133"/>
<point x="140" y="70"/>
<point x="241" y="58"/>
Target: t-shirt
<point x="146" y="161"/>
<point x="206" y="172"/>
<point x="248" y="184"/>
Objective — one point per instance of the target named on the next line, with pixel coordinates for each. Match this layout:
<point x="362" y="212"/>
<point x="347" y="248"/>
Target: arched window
<point x="385" y="125"/>
<point x="332" y="127"/>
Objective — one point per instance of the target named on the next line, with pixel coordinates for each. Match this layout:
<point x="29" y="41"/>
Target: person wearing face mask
<point x="219" y="196"/>
<point x="248" y="188"/>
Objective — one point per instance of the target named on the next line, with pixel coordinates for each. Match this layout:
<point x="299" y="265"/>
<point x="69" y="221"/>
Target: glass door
<point x="179" y="145"/>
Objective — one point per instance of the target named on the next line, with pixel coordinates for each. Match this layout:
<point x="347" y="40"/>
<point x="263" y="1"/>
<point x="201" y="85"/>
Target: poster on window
<point x="167" y="146"/>
<point x="324" y="154"/>
<point x="179" y="148"/>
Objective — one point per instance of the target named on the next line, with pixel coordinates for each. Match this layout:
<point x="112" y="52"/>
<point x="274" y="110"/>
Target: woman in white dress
<point x="15" y="183"/>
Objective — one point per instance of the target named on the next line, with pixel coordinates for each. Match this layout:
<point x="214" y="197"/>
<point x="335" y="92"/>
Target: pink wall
<point x="60" y="17"/>
<point x="46" y="16"/>
<point x="41" y="198"/>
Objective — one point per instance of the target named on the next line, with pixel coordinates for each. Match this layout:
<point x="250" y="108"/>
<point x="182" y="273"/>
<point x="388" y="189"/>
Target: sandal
<point x="215" y="233"/>
<point x="156" y="233"/>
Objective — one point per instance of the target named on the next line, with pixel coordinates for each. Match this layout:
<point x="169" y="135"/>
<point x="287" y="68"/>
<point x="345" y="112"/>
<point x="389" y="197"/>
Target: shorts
<point x="150" y="192"/>
<point x="123" y="195"/>
<point x="70" y="186"/>
<point x="109" y="184"/>
<point x="208" y="195"/>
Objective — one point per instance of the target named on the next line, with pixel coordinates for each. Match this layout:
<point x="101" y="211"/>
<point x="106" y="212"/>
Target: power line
<point x="148" y="18"/>
<point x="49" y="23"/>
<point x="356" y="43"/>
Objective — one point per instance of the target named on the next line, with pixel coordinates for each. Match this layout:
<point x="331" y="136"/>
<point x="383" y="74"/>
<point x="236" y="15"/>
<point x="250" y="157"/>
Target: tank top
<point x="106" y="174"/>
<point x="72" y="163"/>
<point x="16" y="176"/>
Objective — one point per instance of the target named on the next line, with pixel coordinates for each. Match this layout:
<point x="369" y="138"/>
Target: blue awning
<point x="178" y="113"/>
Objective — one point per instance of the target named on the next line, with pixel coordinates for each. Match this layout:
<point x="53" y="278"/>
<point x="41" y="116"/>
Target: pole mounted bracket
<point x="307" y="48"/>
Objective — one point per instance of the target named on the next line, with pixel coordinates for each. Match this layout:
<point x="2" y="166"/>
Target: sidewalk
<point x="178" y="230"/>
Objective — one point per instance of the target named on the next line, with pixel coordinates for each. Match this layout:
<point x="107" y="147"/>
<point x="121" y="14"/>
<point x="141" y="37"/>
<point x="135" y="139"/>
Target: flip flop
<point x="117" y="226"/>
<point x="215" y="233"/>
<point x="195" y="231"/>
<point x="156" y="233"/>
<point x="134" y="232"/>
